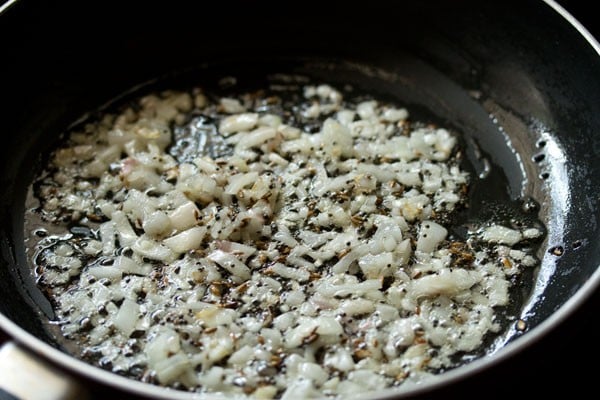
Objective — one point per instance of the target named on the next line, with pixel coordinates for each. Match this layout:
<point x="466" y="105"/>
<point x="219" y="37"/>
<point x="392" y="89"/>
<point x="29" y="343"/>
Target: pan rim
<point x="113" y="380"/>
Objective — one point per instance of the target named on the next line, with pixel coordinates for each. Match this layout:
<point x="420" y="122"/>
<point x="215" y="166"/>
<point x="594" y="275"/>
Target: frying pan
<point x="519" y="79"/>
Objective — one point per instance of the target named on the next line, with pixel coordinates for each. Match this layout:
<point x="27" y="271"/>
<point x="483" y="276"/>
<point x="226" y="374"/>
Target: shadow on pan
<point x="524" y="97"/>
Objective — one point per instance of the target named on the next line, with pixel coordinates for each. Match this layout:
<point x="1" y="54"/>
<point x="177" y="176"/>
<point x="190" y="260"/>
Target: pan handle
<point x="24" y="376"/>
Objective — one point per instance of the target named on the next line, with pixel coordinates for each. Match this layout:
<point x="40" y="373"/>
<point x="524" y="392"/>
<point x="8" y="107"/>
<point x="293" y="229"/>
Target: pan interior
<point x="499" y="190"/>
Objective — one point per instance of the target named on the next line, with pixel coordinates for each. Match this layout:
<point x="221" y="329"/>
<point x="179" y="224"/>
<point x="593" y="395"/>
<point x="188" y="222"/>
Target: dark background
<point x="566" y="360"/>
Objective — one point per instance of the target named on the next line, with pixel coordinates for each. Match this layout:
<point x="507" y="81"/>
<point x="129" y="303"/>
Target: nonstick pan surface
<point x="514" y="77"/>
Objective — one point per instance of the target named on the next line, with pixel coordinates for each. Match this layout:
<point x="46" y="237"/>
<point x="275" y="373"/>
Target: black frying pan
<point x="517" y="78"/>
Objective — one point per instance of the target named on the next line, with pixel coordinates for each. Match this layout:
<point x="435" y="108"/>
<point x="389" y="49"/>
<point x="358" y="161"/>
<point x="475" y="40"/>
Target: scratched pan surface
<point x="515" y="78"/>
